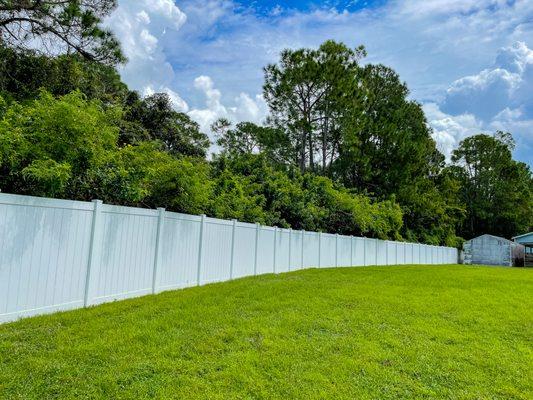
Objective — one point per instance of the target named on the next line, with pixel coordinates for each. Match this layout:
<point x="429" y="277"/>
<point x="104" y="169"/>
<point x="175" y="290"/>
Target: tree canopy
<point x="343" y="150"/>
<point x="60" y="26"/>
<point x="497" y="190"/>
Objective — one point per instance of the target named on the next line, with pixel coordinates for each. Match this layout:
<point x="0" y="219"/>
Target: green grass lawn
<point x="410" y="332"/>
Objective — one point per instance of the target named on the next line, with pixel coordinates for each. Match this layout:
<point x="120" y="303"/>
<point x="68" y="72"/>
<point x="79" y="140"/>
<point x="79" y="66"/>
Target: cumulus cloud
<point x="449" y="130"/>
<point x="244" y="109"/>
<point x="140" y="25"/>
<point x="446" y="51"/>
<point x="492" y="90"/>
<point x="497" y="98"/>
<point x="484" y="94"/>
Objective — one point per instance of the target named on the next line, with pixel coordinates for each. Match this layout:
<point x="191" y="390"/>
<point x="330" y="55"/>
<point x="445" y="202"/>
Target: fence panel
<point x="43" y="255"/>
<point x="358" y="251"/>
<point x="180" y="242"/>
<point x="371" y="251"/>
<point x="60" y="254"/>
<point x="416" y="253"/>
<point x="265" y="250"/>
<point x="282" y="250"/>
<point x="401" y="251"/>
<point x="344" y="249"/>
<point x="382" y="252"/>
<point x="296" y="248"/>
<point x="216" y="251"/>
<point x="311" y="249"/>
<point x="125" y="257"/>
<point x="327" y="250"/>
<point x="244" y="255"/>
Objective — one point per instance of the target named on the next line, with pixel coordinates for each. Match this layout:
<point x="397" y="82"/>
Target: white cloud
<point x="245" y="108"/>
<point x="484" y="94"/>
<point x="497" y="98"/>
<point x="443" y="49"/>
<point x="515" y="58"/>
<point x="449" y="130"/>
<point x="166" y="9"/>
<point x="446" y="7"/>
<point x="506" y="85"/>
<point x="140" y="25"/>
<point x="143" y="17"/>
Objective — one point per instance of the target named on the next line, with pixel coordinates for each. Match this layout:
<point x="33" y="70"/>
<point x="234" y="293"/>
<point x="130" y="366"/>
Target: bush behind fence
<point x="62" y="254"/>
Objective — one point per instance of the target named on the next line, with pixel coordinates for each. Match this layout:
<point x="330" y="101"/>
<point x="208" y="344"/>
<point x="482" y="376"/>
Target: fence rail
<point x="62" y="254"/>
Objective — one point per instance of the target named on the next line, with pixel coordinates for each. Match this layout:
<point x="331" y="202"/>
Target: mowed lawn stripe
<point x="402" y="332"/>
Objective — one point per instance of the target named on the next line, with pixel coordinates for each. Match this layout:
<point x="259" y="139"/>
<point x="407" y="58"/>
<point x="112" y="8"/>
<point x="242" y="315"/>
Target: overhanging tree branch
<point x="54" y="25"/>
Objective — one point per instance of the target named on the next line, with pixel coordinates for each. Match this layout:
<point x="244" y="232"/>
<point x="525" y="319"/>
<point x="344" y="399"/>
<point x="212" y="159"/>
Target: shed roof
<point x="525" y="238"/>
<point x="494" y="237"/>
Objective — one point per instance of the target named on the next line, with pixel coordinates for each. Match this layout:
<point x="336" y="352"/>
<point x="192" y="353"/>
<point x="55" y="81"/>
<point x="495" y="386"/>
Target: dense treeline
<point x="343" y="150"/>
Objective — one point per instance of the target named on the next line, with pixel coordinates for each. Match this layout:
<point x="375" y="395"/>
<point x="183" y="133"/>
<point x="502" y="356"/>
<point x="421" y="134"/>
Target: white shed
<point x="493" y="250"/>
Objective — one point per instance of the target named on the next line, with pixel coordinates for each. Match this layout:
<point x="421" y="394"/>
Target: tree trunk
<point x="302" y="152"/>
<point x="324" y="146"/>
<point x="311" y="157"/>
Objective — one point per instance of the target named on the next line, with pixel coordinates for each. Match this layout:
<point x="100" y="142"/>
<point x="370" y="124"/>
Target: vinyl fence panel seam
<point x="93" y="248"/>
<point x="158" y="245"/>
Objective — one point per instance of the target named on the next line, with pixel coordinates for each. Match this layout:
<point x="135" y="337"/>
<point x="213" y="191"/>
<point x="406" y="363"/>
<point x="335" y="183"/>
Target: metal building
<point x="527" y="241"/>
<point x="493" y="250"/>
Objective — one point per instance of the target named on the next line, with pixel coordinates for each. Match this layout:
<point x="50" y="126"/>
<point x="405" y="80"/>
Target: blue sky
<point x="468" y="62"/>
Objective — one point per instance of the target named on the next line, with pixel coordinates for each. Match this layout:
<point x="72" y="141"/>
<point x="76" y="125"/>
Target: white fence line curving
<point x="62" y="254"/>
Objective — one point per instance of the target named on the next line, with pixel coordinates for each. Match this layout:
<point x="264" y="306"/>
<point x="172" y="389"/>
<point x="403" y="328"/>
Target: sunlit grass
<point x="449" y="332"/>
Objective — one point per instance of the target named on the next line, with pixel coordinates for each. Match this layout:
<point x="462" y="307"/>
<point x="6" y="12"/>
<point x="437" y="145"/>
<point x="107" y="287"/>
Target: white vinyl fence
<point x="62" y="254"/>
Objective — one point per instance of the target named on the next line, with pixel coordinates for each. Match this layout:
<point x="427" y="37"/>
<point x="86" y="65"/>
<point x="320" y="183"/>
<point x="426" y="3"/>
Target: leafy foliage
<point x="306" y="201"/>
<point x="497" y="191"/>
<point x="60" y="26"/>
<point x="24" y="73"/>
<point x="307" y="93"/>
<point x="369" y="135"/>
<point x="344" y="149"/>
<point x="153" y="118"/>
<point x="69" y="147"/>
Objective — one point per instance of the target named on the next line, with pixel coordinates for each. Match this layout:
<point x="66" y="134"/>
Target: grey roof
<point x="525" y="234"/>
<point x="495" y="237"/>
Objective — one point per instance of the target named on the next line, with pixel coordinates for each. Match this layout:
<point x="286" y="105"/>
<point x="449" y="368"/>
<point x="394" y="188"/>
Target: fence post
<point x="157" y="255"/>
<point x="351" y="250"/>
<point x="364" y="251"/>
<point x="232" y="260"/>
<point x="200" y="250"/>
<point x="275" y="243"/>
<point x="257" y="228"/>
<point x="302" y="255"/>
<point x="93" y="250"/>
<point x="377" y="240"/>
<point x="386" y="252"/>
<point x="336" y="250"/>
<point x="397" y="261"/>
<point x="290" y="248"/>
<point x="319" y="249"/>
